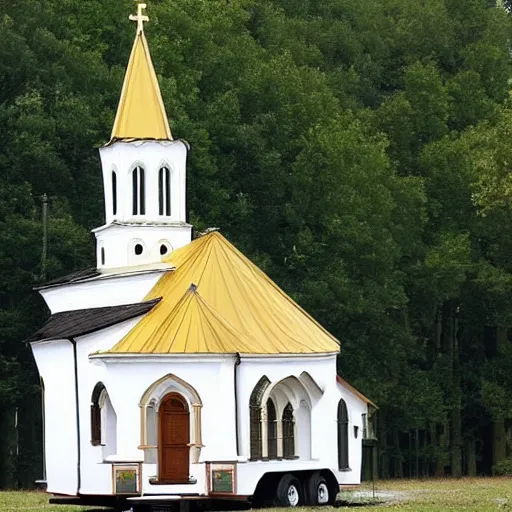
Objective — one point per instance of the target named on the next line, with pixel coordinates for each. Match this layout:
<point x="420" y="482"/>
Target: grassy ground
<point x="469" y="495"/>
<point x="33" y="501"/>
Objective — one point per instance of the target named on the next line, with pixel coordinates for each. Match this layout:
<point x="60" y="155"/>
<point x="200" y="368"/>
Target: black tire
<point x="289" y="492"/>
<point x="318" y="491"/>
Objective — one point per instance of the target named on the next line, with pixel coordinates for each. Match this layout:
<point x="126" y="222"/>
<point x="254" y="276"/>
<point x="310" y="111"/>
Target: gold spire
<point x="141" y="112"/>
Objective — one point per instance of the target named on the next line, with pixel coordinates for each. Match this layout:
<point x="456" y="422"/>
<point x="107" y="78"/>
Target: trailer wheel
<point x="289" y="491"/>
<point x="318" y="491"/>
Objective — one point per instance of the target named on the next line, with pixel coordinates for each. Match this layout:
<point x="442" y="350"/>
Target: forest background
<point x="359" y="152"/>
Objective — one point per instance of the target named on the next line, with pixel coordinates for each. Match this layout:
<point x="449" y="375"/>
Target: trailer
<point x="177" y="371"/>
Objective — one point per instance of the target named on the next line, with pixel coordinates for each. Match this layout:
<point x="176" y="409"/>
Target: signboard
<point x="126" y="479"/>
<point x="222" y="478"/>
<point x="222" y="481"/>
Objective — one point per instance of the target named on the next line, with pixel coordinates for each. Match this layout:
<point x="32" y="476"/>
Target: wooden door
<point x="174" y="438"/>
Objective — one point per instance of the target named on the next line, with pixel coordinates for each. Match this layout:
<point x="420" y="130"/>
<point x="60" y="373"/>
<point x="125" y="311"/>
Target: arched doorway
<point x="173" y="439"/>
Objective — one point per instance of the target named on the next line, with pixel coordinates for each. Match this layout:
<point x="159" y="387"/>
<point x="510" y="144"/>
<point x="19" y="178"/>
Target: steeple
<point x="144" y="173"/>
<point x="141" y="112"/>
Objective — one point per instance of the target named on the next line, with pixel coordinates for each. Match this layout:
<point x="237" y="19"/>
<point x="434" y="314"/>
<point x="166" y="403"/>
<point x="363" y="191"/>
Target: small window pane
<point x="164" y="191"/>
<point x="142" y="192"/>
<point x="167" y="192"/>
<point x="135" y="190"/>
<point x="161" y="192"/>
<point x="114" y="193"/>
<point x="139" y="191"/>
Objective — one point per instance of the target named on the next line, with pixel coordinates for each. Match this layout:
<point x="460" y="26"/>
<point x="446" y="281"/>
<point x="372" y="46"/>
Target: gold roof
<point x="141" y="112"/>
<point x="218" y="301"/>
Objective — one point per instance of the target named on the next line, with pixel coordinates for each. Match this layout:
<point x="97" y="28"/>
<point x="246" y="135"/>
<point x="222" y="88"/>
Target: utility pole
<point x="44" y="255"/>
<point x="45" y="200"/>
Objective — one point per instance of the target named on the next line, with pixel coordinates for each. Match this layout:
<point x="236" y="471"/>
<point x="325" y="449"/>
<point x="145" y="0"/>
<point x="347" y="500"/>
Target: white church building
<point x="176" y="369"/>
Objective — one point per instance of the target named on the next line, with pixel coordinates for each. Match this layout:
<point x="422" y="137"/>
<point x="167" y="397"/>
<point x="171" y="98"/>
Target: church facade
<point x="176" y="369"/>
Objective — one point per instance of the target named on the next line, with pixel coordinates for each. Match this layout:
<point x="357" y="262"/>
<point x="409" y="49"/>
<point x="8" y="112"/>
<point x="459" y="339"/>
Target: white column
<point x="196" y="442"/>
<point x="264" y="433"/>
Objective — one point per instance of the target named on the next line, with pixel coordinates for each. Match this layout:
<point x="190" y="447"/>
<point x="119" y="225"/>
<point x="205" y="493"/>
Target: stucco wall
<point x="55" y="363"/>
<point x="111" y="291"/>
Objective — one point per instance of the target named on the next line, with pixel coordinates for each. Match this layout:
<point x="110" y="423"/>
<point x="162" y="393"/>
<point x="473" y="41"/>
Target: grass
<point x="18" y="501"/>
<point x="468" y="495"/>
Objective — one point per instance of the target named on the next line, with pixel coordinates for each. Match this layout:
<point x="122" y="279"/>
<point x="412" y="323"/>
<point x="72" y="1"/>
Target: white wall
<point x="119" y="241"/>
<point x="150" y="230"/>
<point x="96" y="473"/>
<point x="356" y="408"/>
<point x="324" y="426"/>
<point x="56" y="367"/>
<point x="126" y="380"/>
<point x="111" y="291"/>
<point x="276" y="369"/>
<point x="123" y="157"/>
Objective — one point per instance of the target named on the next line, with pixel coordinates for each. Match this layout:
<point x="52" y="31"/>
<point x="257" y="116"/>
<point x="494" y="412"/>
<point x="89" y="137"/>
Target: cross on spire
<point x="139" y="18"/>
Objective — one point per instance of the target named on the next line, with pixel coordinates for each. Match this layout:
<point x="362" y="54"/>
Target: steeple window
<point x="164" y="192"/>
<point x="138" y="191"/>
<point x="114" y="193"/>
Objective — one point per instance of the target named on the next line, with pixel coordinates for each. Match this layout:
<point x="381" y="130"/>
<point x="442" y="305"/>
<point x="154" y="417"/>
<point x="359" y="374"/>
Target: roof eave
<point x="353" y="390"/>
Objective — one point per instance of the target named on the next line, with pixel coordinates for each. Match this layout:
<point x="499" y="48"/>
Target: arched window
<point x="255" y="417"/>
<point x="138" y="191"/>
<point x="342" y="435"/>
<point x="96" y="414"/>
<point x="103" y="421"/>
<point x="271" y="429"/>
<point x="164" y="192"/>
<point x="114" y="193"/>
<point x="288" y="432"/>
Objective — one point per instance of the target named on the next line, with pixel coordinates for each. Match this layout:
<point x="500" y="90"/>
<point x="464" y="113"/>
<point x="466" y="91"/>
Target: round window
<point x="164" y="249"/>
<point x="139" y="249"/>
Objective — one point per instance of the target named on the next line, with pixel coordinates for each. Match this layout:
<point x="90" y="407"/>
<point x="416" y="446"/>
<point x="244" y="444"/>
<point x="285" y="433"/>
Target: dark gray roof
<point x="71" y="324"/>
<point x="74" y="277"/>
